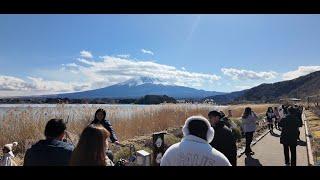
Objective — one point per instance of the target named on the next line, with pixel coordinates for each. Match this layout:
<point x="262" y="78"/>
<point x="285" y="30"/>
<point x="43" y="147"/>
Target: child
<point x="7" y="158"/>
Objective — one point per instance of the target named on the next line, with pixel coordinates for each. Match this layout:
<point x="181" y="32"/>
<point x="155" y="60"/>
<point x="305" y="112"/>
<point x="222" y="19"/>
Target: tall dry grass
<point x="27" y="124"/>
<point x="20" y="125"/>
<point x="237" y="110"/>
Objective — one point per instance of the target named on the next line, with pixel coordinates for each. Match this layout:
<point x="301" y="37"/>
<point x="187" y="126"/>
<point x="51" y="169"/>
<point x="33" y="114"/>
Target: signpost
<point x="158" y="147"/>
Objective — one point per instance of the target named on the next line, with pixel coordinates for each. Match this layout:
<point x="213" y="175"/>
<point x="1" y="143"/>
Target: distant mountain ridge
<point x="300" y="87"/>
<point x="139" y="87"/>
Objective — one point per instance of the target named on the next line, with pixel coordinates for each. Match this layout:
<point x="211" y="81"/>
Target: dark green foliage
<point x="155" y="99"/>
<point x="126" y="101"/>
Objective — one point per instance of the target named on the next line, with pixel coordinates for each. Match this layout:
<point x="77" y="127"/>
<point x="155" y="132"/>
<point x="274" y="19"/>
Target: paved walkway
<point x="269" y="152"/>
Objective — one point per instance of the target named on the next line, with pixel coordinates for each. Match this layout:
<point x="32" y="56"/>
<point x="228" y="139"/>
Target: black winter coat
<point x="106" y="124"/>
<point x="225" y="142"/>
<point x="299" y="114"/>
<point x="48" y="152"/>
<point x="289" y="133"/>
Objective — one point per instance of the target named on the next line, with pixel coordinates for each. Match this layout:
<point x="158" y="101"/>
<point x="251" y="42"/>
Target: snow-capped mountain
<point x="138" y="87"/>
<point x="141" y="80"/>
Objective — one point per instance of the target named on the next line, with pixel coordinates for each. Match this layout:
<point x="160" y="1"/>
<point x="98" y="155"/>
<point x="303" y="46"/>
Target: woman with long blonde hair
<point x="91" y="148"/>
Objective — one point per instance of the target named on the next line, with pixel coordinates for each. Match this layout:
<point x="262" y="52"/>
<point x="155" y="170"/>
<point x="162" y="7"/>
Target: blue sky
<point x="64" y="53"/>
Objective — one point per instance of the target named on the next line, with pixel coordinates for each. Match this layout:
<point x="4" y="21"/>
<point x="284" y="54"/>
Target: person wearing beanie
<point x="224" y="140"/>
<point x="7" y="158"/>
<point x="194" y="148"/>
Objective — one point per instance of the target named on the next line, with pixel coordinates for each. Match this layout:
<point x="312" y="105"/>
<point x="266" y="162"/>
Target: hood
<point x="210" y="132"/>
<point x="194" y="139"/>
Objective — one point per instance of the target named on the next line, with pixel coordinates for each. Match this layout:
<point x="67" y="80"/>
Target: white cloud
<point x="110" y="70"/>
<point x="86" y="54"/>
<point x="84" y="74"/>
<point x="72" y="67"/>
<point x="124" y="56"/>
<point x="241" y="74"/>
<point x="301" y="71"/>
<point x="147" y="51"/>
<point x="10" y="83"/>
<point x="183" y="68"/>
<point x="40" y="84"/>
<point x="35" y="85"/>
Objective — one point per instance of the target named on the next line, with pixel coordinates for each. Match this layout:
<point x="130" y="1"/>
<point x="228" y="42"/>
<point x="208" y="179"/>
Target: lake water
<point x="75" y="111"/>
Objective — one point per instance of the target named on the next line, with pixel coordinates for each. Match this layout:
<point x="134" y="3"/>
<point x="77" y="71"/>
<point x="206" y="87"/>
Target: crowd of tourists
<point x="206" y="141"/>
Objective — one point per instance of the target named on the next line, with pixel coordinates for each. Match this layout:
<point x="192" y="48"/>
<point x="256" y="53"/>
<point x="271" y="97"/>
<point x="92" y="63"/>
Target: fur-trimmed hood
<point x="210" y="132"/>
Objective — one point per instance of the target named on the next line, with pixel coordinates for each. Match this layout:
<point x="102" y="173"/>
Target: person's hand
<point x="117" y="143"/>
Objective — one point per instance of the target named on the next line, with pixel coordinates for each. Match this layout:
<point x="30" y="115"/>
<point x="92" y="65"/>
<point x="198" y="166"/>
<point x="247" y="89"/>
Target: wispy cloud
<point x="301" y="71"/>
<point x="242" y="74"/>
<point x="193" y="27"/>
<point x="124" y="55"/>
<point x="86" y="54"/>
<point x="147" y="51"/>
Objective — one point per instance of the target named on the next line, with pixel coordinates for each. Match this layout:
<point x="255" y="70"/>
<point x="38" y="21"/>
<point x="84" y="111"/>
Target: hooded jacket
<point x="49" y="152"/>
<point x="193" y="150"/>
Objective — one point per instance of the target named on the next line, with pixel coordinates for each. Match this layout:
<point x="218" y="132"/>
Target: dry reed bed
<point x="28" y="124"/>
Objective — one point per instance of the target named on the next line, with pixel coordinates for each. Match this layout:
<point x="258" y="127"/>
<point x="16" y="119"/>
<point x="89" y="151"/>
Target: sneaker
<point x="251" y="153"/>
<point x="286" y="164"/>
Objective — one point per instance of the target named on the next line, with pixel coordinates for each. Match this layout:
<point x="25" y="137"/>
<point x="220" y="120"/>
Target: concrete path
<point x="269" y="152"/>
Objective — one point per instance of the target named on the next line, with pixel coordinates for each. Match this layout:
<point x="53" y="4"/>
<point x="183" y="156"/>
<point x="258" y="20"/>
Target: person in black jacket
<point x="288" y="136"/>
<point x="224" y="140"/>
<point x="299" y="110"/>
<point x="52" y="151"/>
<point x="100" y="118"/>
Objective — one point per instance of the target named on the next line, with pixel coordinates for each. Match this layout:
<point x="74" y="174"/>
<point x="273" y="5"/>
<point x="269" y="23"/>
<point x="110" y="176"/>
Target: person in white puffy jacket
<point x="194" y="148"/>
<point x="7" y="158"/>
<point x="249" y="119"/>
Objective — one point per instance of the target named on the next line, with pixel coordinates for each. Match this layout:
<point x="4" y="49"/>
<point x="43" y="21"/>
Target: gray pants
<point x="109" y="153"/>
